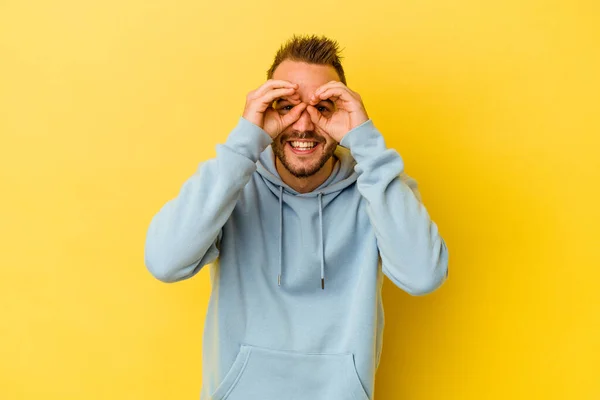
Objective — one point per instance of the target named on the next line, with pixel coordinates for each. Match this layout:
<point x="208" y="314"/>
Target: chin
<point x="303" y="163"/>
<point x="302" y="172"/>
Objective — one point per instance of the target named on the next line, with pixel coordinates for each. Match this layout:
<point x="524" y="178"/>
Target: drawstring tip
<point x="279" y="280"/>
<point x="323" y="283"/>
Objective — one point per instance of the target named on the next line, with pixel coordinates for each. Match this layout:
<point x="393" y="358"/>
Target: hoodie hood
<point x="342" y="176"/>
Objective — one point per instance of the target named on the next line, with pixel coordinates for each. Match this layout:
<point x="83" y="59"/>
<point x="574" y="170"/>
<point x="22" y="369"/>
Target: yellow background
<point x="107" y="107"/>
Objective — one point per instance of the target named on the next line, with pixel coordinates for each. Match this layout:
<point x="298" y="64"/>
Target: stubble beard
<point x="306" y="171"/>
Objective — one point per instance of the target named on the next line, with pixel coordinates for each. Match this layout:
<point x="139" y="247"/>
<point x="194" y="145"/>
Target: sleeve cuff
<point x="248" y="139"/>
<point x="364" y="141"/>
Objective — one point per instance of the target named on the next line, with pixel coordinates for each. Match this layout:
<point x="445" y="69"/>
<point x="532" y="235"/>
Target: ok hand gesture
<point x="348" y="114"/>
<point x="259" y="108"/>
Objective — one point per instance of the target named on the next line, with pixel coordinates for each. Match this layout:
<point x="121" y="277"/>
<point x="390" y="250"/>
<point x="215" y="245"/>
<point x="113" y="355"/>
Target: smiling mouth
<point x="303" y="146"/>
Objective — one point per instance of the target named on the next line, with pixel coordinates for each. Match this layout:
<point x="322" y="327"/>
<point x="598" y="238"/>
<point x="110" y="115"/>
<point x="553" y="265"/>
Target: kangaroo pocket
<point x="265" y="374"/>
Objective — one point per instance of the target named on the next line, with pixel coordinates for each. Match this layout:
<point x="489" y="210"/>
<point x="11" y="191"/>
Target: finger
<point x="335" y="92"/>
<point x="293" y="115"/>
<point x="274" y="84"/>
<point x="294" y="98"/>
<point x="316" y="117"/>
<point x="330" y="85"/>
<point x="274" y="94"/>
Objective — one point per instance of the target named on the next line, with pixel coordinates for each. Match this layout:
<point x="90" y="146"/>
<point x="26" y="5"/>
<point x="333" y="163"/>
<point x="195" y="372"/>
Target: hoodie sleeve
<point x="184" y="235"/>
<point x="414" y="255"/>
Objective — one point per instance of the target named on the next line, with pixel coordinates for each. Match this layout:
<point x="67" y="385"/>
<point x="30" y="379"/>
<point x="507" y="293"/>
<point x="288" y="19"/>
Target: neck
<point x="308" y="184"/>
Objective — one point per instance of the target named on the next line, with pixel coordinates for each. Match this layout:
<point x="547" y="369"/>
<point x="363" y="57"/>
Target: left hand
<point x="349" y="110"/>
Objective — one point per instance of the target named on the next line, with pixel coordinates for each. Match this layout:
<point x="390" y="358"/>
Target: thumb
<point x="316" y="116"/>
<point x="293" y="115"/>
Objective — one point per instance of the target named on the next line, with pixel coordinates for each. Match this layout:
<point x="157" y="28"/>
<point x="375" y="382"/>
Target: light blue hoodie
<point x="296" y="311"/>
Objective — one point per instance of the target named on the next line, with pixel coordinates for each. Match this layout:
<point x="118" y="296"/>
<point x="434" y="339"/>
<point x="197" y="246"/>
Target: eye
<point x="324" y="110"/>
<point x="284" y="109"/>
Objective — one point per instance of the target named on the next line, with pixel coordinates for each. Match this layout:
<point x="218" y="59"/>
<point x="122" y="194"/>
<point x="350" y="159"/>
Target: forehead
<point x="308" y="76"/>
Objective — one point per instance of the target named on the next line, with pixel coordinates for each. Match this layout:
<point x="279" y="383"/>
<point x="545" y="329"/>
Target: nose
<point x="304" y="123"/>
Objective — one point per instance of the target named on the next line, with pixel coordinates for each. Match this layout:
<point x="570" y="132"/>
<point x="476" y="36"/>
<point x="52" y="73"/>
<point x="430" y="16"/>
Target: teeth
<point x="303" y="145"/>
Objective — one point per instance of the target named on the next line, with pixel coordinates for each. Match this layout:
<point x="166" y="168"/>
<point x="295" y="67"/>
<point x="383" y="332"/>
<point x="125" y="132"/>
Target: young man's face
<point x="302" y="150"/>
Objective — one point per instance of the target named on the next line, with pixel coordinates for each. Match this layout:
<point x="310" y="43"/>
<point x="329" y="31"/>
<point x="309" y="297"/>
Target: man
<point x="299" y="231"/>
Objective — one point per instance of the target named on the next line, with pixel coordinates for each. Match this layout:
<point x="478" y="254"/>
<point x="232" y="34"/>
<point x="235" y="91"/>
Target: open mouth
<point x="303" y="146"/>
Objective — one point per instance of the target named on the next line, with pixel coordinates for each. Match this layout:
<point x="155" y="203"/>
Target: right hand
<point x="259" y="108"/>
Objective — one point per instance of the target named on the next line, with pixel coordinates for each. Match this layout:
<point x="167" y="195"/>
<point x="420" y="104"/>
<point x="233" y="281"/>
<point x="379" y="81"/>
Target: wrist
<point x="364" y="141"/>
<point x="248" y="139"/>
<point x="253" y="120"/>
